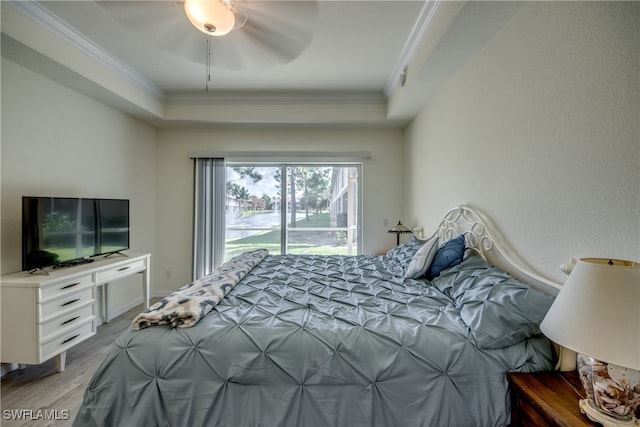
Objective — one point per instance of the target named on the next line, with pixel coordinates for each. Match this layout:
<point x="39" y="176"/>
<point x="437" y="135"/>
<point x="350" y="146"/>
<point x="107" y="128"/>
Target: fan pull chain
<point x="208" y="70"/>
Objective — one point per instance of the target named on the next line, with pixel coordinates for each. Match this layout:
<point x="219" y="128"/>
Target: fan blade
<point x="276" y="32"/>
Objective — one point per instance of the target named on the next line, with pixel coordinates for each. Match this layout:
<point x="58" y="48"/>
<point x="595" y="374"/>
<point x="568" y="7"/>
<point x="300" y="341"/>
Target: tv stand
<point x="39" y="270"/>
<point x="43" y="270"/>
<point x="116" y="253"/>
<point x="44" y="316"/>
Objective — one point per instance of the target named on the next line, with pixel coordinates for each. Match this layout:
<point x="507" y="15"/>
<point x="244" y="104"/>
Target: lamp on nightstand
<point x="597" y="314"/>
<point x="399" y="229"/>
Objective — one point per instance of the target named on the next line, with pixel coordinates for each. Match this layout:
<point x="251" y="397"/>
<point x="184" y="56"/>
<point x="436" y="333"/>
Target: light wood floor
<point x="41" y="387"/>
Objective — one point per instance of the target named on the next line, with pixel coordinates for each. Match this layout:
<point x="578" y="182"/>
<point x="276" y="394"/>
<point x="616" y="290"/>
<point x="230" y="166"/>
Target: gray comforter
<point x="331" y="341"/>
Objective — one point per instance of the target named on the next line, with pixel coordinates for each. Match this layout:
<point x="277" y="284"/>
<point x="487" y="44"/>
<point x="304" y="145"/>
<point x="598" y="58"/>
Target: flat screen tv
<point x="62" y="231"/>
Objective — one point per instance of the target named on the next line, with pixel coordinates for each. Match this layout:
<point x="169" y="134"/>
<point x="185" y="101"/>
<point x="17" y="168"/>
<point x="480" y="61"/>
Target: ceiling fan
<point x="252" y="34"/>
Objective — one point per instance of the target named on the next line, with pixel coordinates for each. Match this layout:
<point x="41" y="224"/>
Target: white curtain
<point x="208" y="223"/>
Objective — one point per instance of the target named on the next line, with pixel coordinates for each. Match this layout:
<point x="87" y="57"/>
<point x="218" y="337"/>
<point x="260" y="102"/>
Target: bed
<point x="341" y="341"/>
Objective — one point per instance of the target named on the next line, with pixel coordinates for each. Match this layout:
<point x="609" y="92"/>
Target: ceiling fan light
<point x="212" y="17"/>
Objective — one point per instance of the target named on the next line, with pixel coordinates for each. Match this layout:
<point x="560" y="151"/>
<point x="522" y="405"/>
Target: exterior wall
<point x="344" y="199"/>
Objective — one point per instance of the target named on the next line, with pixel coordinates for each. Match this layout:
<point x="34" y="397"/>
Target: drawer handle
<point x="70" y="286"/>
<point x="70" y="339"/>
<point x="124" y="268"/>
<point x="70" y="302"/>
<point x="70" y="320"/>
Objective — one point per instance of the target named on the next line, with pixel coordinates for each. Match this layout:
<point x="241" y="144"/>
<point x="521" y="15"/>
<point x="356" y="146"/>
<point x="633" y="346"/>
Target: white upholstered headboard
<point x="485" y="240"/>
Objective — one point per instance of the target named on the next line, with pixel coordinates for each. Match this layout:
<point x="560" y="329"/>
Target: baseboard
<point x="160" y="294"/>
<point x="125" y="308"/>
<point x="121" y="310"/>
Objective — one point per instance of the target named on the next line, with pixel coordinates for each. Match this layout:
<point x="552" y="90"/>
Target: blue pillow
<point x="498" y="309"/>
<point x="449" y="255"/>
<point x="404" y="253"/>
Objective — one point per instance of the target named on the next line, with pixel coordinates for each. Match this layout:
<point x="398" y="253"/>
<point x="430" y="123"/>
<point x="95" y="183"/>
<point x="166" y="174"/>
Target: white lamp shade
<point x="206" y="15"/>
<point x="597" y="312"/>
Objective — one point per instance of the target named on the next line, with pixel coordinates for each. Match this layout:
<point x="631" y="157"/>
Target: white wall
<point x="382" y="183"/>
<point x="540" y="131"/>
<point x="57" y="142"/>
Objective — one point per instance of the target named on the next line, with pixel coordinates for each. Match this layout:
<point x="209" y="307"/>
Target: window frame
<point x="284" y="211"/>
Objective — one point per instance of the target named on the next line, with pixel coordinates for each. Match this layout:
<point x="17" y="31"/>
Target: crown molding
<point x="275" y="98"/>
<point x="51" y="22"/>
<point x="420" y="28"/>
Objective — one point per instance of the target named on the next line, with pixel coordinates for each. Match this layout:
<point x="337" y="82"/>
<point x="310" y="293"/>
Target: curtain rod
<point x="282" y="155"/>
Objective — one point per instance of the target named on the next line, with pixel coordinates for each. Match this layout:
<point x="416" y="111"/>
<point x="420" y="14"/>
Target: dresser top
<point x="47" y="275"/>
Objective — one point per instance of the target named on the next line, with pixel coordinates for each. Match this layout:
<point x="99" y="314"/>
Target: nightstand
<point x="547" y="399"/>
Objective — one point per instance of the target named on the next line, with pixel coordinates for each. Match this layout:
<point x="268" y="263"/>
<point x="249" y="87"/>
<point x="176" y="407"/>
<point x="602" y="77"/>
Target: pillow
<point x="422" y="258"/>
<point x="403" y="254"/>
<point x="498" y="309"/>
<point x="449" y="255"/>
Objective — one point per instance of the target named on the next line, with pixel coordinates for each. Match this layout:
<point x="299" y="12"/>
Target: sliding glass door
<point x="317" y="214"/>
<point x="253" y="209"/>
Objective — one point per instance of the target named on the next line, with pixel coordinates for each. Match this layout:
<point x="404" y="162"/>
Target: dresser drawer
<point x="67" y="340"/>
<point x="122" y="270"/>
<point x="55" y="290"/>
<point x="69" y="320"/>
<point x="65" y="305"/>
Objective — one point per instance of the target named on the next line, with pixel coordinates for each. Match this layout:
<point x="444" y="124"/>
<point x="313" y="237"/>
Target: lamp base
<point x="587" y="408"/>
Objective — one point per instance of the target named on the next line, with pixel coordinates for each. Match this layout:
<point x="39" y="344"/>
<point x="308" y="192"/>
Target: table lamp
<point x="597" y="315"/>
<point x="399" y="229"/>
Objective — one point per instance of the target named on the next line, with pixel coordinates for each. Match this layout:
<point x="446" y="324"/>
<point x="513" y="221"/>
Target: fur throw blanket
<point x="186" y="306"/>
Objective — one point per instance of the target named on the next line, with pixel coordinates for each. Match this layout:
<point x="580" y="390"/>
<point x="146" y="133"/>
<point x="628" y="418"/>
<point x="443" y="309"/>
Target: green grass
<point x="319" y="220"/>
<point x="271" y="240"/>
<point x="248" y="213"/>
<point x="296" y="249"/>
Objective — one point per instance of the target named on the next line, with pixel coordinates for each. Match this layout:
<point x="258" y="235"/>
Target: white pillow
<point x="422" y="259"/>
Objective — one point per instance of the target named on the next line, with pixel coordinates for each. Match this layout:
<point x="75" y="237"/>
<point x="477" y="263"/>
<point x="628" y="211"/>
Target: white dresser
<point x="47" y="312"/>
